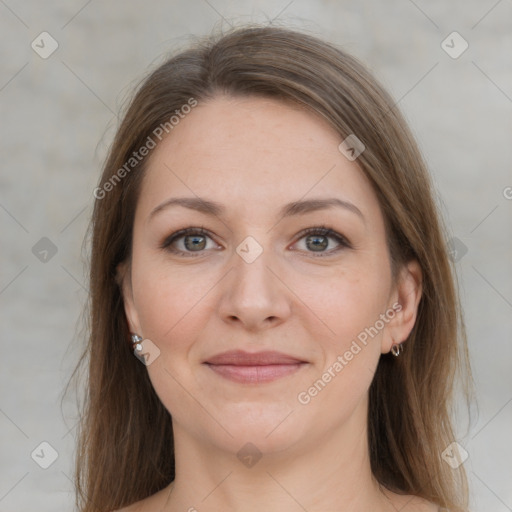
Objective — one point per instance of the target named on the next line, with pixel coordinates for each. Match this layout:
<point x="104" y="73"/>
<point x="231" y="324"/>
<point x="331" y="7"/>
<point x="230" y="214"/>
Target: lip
<point x="242" y="358"/>
<point x="253" y="368"/>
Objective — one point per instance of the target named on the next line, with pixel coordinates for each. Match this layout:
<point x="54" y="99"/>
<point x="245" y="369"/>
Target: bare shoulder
<point x="425" y="506"/>
<point x="134" y="507"/>
<point x="126" y="509"/>
<point x="150" y="504"/>
<point x="410" y="503"/>
<point x="416" y="504"/>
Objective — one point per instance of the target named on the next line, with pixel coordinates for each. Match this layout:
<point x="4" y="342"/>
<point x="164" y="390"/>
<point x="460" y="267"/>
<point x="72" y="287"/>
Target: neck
<point x="329" y="474"/>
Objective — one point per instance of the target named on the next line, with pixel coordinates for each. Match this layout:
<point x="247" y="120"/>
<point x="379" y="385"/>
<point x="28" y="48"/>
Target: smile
<point x="254" y="367"/>
<point x="255" y="374"/>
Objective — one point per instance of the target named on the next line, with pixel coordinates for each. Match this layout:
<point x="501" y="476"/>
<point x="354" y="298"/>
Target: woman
<point x="266" y="243"/>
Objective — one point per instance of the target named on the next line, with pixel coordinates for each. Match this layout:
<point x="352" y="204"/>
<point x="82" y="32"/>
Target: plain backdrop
<point x="58" y="116"/>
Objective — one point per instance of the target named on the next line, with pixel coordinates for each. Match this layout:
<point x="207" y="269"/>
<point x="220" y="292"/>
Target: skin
<point x="254" y="155"/>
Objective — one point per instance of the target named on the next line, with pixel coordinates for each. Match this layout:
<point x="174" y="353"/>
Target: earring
<point x="396" y="349"/>
<point x="136" y="342"/>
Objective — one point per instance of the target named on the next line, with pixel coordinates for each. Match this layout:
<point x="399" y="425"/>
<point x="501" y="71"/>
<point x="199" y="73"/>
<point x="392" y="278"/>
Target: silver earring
<point x="136" y="342"/>
<point x="396" y="349"/>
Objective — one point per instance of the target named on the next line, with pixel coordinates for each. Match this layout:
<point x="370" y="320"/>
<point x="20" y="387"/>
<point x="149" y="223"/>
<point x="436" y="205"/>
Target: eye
<point x="192" y="240"/>
<point x="188" y="241"/>
<point x="317" y="240"/>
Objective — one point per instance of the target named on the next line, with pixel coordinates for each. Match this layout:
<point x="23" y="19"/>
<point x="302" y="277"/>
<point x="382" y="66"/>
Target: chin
<point x="252" y="440"/>
<point x="270" y="430"/>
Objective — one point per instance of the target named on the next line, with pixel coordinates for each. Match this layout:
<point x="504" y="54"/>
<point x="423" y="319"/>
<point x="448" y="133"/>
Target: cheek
<point x="173" y="308"/>
<point x="345" y="303"/>
<point x="173" y="304"/>
<point x="349" y="308"/>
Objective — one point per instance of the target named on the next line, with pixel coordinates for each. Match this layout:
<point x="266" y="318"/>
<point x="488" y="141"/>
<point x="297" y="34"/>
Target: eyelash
<point x="321" y="230"/>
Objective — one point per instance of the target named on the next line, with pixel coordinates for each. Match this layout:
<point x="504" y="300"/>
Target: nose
<point x="254" y="294"/>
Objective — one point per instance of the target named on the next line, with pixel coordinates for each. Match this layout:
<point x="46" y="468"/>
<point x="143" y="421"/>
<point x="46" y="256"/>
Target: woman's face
<point x="254" y="281"/>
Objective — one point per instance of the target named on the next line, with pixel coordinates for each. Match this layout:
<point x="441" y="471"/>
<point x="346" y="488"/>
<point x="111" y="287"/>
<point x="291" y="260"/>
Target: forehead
<point x="253" y="154"/>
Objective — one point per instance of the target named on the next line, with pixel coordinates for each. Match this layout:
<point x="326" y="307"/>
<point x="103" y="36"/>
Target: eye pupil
<point x="195" y="243"/>
<point x="316" y="244"/>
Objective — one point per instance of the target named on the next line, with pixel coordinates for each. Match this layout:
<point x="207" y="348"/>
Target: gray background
<point x="58" y="116"/>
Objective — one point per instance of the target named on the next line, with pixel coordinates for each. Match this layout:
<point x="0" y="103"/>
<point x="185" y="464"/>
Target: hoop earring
<point x="396" y="349"/>
<point x="136" y="342"/>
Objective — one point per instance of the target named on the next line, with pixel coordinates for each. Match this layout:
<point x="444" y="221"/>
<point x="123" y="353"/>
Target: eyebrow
<point x="291" y="209"/>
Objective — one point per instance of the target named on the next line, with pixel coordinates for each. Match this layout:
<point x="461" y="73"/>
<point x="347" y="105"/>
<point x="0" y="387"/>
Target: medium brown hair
<point x="125" y="446"/>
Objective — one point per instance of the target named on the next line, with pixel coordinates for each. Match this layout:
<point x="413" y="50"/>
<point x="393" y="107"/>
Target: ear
<point x="405" y="298"/>
<point x="124" y="280"/>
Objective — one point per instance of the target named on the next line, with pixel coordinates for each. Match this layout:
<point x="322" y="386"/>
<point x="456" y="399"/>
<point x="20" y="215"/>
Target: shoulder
<point x="426" y="506"/>
<point x="140" y="506"/>
<point x="134" y="507"/>
<point x="416" y="504"/>
<point x="410" y="503"/>
<point x="149" y="504"/>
